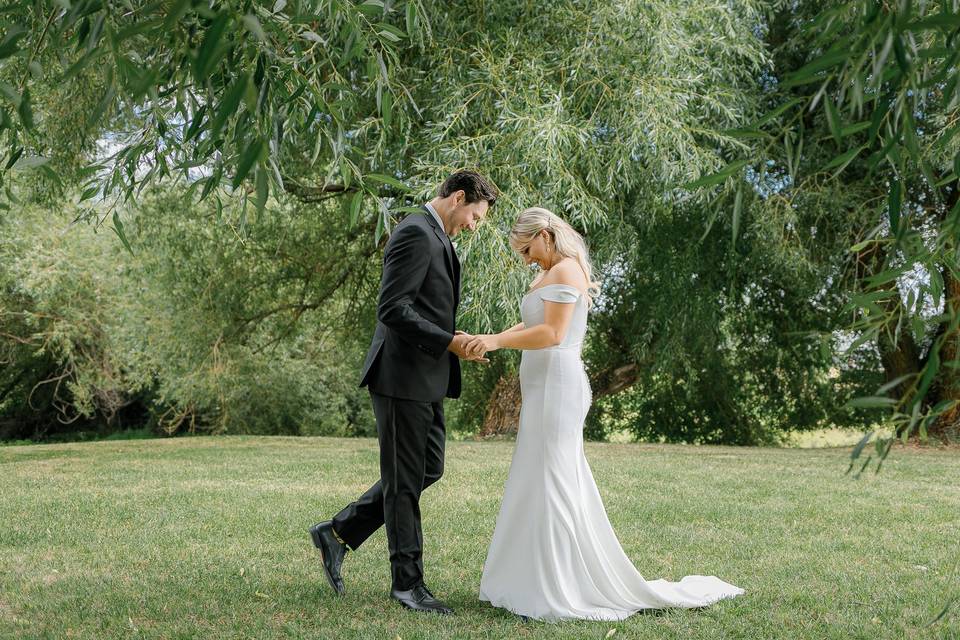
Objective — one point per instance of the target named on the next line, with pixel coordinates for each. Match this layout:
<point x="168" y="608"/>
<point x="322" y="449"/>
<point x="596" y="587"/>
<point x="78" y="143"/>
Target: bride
<point x="554" y="555"/>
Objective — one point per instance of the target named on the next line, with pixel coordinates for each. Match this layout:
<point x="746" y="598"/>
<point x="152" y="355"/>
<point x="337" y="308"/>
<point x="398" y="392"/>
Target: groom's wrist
<point x="452" y="343"/>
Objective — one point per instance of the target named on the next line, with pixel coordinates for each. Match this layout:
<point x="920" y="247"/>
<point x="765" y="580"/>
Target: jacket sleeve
<point x="405" y="263"/>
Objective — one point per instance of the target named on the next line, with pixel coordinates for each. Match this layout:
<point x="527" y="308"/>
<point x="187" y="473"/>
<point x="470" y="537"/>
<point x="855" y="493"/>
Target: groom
<point x="411" y="366"/>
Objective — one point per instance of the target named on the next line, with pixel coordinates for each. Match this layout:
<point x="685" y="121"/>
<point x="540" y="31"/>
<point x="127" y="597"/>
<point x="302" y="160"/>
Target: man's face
<point x="466" y="215"/>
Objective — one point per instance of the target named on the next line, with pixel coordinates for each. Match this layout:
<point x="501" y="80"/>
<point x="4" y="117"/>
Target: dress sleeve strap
<point x="563" y="293"/>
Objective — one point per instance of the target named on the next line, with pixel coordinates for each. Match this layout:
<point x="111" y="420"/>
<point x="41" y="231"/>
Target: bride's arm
<point x="519" y="326"/>
<point x="516" y="327"/>
<point x="556" y="320"/>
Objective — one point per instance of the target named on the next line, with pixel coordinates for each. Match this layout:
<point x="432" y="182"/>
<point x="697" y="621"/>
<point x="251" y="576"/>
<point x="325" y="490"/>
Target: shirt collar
<point x="436" y="216"/>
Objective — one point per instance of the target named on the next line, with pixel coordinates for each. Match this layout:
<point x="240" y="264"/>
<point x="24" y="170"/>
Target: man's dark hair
<point x="474" y="186"/>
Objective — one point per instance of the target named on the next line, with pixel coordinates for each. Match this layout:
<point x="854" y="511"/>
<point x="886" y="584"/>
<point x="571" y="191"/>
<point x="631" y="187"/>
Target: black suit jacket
<point x="416" y="315"/>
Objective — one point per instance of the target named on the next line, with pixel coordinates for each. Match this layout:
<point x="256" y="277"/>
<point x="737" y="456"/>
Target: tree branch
<point x="309" y="193"/>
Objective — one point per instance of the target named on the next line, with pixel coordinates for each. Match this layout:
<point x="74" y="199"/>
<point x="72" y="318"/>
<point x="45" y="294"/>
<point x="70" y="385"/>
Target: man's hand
<point x="459" y="348"/>
<point x="479" y="345"/>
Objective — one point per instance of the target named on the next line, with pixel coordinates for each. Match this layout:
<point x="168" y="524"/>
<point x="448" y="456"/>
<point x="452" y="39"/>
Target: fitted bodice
<point x="532" y="311"/>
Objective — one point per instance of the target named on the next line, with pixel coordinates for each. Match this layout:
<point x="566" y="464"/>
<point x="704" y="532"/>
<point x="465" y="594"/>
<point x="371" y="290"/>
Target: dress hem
<point x="604" y="614"/>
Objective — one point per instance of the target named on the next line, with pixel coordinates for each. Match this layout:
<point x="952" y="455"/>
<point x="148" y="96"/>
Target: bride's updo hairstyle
<point x="565" y="239"/>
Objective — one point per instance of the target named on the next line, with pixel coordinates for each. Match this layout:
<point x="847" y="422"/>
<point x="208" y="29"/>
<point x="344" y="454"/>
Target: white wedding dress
<point x="554" y="555"/>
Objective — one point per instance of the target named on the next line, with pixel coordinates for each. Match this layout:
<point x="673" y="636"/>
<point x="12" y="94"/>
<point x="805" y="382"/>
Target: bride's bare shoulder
<point x="569" y="272"/>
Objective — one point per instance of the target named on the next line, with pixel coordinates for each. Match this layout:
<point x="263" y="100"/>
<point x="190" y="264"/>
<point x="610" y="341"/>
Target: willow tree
<point x="354" y="111"/>
<point x="865" y="123"/>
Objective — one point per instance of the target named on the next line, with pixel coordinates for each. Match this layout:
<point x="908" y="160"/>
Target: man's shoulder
<point x="412" y="222"/>
<point x="414" y="227"/>
<point x="423" y="216"/>
<point x="417" y="219"/>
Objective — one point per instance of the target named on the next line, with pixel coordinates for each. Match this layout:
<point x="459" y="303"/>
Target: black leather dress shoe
<point x="331" y="550"/>
<point x="420" y="599"/>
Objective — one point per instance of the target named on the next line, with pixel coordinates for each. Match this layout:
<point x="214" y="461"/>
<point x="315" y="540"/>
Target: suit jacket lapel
<point x="456" y="275"/>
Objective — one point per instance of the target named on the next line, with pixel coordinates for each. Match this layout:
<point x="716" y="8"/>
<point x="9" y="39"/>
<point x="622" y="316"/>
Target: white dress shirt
<point x="437" y="216"/>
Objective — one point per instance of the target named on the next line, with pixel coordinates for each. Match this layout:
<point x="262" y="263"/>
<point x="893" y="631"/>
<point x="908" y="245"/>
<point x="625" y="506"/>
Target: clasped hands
<point x="473" y="348"/>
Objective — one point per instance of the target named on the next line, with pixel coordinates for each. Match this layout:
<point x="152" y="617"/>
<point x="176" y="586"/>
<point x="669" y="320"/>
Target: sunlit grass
<point x="206" y="538"/>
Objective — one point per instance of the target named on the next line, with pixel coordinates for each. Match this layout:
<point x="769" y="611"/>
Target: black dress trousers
<point x="411" y="435"/>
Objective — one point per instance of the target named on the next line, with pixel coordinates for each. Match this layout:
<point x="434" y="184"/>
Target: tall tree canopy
<point x="719" y="307"/>
<point x="864" y="122"/>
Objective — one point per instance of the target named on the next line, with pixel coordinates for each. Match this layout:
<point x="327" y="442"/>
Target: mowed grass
<point x="206" y="538"/>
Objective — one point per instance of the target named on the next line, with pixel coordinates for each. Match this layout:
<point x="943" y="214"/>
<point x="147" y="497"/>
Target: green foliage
<point x="870" y="94"/>
<point x="234" y="87"/>
<point x="57" y="286"/>
<point x="333" y="119"/>
<point x="251" y="333"/>
<point x="727" y="340"/>
<point x="197" y="330"/>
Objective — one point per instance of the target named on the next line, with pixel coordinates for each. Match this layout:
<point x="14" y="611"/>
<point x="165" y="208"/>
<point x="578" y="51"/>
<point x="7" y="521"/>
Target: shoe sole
<point x="433" y="611"/>
<point x="316" y="542"/>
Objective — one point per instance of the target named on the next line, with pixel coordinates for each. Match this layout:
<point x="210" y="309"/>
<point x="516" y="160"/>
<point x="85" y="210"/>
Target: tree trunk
<point x="899" y="354"/>
<point x="946" y="384"/>
<point x="899" y="359"/>
<point x="503" y="408"/>
<point x="614" y="379"/>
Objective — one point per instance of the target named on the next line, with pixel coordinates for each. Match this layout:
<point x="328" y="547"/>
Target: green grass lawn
<point x="206" y="538"/>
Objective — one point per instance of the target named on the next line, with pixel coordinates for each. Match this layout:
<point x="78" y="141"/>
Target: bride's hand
<point x="481" y="344"/>
<point x="463" y="352"/>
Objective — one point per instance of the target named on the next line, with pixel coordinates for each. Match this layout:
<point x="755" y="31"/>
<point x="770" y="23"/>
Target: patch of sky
<point x="769" y="180"/>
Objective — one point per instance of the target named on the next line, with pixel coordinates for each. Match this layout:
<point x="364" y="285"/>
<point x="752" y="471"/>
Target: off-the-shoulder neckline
<point x="554" y="284"/>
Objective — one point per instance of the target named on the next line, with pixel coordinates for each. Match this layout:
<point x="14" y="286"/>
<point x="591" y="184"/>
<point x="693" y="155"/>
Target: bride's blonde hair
<point x="567" y="241"/>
